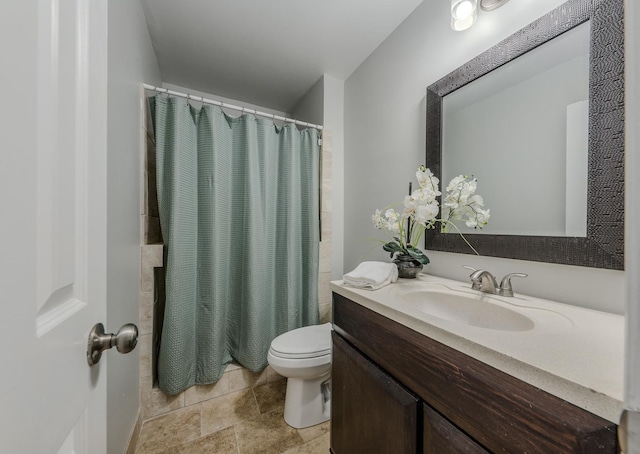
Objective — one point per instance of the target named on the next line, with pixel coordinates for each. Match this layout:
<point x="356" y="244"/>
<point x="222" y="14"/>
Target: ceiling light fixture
<point x="490" y="5"/>
<point x="463" y="14"/>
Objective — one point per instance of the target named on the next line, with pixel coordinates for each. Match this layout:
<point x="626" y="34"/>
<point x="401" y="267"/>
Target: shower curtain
<point x="238" y="200"/>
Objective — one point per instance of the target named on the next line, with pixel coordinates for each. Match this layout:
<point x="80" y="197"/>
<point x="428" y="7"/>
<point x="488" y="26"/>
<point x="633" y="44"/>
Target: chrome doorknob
<point x="125" y="340"/>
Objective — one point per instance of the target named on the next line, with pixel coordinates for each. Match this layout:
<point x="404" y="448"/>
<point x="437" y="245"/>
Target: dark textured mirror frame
<point x="604" y="245"/>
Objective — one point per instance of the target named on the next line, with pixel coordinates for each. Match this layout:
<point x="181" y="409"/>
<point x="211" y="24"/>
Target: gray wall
<point x="385" y="142"/>
<point x="310" y="107"/>
<point x="131" y="61"/>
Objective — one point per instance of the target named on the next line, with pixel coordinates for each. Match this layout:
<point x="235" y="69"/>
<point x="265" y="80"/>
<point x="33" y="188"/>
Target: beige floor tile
<point x="244" y="378"/>
<point x="318" y="445"/>
<point x="221" y="442"/>
<point x="266" y="434"/>
<point x="272" y="375"/>
<point x="172" y="429"/>
<point x="310" y="433"/>
<point x="270" y="396"/>
<point x="228" y="410"/>
<point x="200" y="393"/>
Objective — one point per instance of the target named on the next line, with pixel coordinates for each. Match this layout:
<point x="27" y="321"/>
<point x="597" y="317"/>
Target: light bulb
<point x="463" y="10"/>
<point x="463" y="14"/>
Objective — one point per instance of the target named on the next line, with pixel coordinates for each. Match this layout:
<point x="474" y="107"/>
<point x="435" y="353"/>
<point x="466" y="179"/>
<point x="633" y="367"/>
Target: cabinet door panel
<point x="370" y="411"/>
<point x="442" y="437"/>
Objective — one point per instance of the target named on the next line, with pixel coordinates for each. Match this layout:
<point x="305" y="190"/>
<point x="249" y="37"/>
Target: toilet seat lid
<point x="305" y="342"/>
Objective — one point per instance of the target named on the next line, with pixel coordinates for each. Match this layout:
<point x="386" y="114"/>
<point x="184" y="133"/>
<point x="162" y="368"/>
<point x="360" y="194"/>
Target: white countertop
<point x="574" y="353"/>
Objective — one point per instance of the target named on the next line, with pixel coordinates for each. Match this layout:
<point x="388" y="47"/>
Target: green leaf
<point x="418" y="255"/>
<point x="392" y="247"/>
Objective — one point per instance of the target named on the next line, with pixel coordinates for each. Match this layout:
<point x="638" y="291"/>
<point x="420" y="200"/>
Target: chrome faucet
<point x="484" y="281"/>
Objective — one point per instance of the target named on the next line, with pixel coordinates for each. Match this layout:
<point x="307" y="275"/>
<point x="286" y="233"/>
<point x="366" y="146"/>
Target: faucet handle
<point x="505" y="284"/>
<point x="475" y="283"/>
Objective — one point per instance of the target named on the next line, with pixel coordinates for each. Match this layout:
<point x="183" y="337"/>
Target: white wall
<point x="131" y="62"/>
<point x="385" y="141"/>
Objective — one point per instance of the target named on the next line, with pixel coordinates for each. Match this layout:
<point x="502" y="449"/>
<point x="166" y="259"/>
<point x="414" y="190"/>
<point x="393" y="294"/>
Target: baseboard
<point x="133" y="437"/>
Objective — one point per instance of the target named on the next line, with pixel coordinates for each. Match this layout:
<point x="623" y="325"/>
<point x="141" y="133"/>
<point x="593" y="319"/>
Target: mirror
<point x="484" y="129"/>
<point x="539" y="120"/>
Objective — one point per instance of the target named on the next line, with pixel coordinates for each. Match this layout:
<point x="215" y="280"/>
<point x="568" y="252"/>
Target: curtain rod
<point x="231" y="106"/>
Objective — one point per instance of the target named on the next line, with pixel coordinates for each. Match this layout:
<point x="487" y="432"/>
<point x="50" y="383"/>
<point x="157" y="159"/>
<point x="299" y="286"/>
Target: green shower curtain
<point x="238" y="201"/>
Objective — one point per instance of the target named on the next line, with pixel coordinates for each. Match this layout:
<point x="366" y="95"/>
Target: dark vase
<point x="408" y="267"/>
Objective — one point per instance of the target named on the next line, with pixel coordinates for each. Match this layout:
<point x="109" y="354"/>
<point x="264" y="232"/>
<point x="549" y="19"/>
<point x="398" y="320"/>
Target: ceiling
<point x="266" y="52"/>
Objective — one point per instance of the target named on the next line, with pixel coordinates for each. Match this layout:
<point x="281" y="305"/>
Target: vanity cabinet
<point x="397" y="391"/>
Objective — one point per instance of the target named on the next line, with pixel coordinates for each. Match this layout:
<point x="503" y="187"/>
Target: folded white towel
<point x="371" y="275"/>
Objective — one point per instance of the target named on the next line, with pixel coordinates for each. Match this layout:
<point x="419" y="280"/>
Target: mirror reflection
<point x="522" y="130"/>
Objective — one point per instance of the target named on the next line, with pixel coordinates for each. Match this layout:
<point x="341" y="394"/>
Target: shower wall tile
<point x="151" y="257"/>
<point x="327" y="165"/>
<point x="326" y="196"/>
<point x="325" y="257"/>
<point x="201" y="393"/>
<point x="325" y="312"/>
<point x="146" y="382"/>
<point x="327" y="219"/>
<point x="152" y="231"/>
<point x="146" y="349"/>
<point x="145" y="326"/>
<point x="324" y="290"/>
<point x="327" y="138"/>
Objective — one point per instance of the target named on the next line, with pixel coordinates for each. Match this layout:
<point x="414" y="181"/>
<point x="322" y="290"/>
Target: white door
<point x="53" y="74"/>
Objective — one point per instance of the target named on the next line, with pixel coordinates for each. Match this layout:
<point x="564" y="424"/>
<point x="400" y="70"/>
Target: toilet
<point x="303" y="355"/>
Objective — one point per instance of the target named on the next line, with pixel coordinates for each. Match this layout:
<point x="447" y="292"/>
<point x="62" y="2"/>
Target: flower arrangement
<point x="421" y="210"/>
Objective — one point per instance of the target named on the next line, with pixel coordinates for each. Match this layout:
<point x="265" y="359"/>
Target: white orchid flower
<point x="426" y="213"/>
<point x="421" y="210"/>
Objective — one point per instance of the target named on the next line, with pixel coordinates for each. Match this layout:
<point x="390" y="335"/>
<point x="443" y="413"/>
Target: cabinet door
<point x="370" y="411"/>
<point x="442" y="437"/>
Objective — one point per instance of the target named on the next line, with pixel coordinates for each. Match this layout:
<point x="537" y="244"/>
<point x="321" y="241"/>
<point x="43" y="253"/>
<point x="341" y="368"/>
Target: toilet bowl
<point x="303" y="355"/>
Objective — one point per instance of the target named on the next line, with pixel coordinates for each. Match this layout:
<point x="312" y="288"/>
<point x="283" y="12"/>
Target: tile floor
<point x="244" y="422"/>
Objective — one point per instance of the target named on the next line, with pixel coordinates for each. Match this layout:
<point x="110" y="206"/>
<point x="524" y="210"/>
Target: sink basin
<point x="468" y="309"/>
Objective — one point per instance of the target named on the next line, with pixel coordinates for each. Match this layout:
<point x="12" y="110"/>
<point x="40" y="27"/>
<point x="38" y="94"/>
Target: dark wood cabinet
<point x="461" y="404"/>
<point x="439" y="436"/>
<point x="371" y="412"/>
